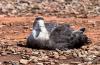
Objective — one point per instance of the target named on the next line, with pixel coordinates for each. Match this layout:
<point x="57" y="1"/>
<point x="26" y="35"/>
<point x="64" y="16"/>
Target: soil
<point x="15" y="30"/>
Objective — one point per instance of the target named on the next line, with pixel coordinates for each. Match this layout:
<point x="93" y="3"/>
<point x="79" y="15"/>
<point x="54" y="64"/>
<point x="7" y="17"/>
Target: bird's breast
<point x="43" y="36"/>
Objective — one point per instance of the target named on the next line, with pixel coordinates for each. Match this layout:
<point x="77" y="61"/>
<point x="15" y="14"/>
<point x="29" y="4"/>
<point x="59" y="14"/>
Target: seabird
<point x="39" y="35"/>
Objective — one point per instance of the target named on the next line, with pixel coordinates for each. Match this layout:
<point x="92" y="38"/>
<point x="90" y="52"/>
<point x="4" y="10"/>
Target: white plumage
<point x="39" y="34"/>
<point x="39" y="30"/>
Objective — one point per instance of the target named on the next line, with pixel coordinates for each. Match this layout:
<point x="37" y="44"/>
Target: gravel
<point x="60" y="8"/>
<point x="87" y="55"/>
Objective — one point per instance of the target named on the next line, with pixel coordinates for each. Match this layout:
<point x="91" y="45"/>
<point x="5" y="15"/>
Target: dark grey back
<point x="61" y="37"/>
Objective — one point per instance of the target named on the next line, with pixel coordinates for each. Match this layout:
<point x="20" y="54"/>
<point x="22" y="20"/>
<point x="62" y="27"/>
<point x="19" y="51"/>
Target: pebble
<point x="23" y="61"/>
<point x="34" y="59"/>
<point x="64" y="64"/>
<point x="26" y="27"/>
<point x="56" y="55"/>
<point x="39" y="64"/>
<point x="62" y="57"/>
<point x="4" y="54"/>
<point x="1" y="63"/>
<point x="75" y="55"/>
<point x="15" y="63"/>
<point x="35" y="53"/>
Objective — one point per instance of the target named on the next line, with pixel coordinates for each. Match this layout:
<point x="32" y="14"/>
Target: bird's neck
<point x="42" y="25"/>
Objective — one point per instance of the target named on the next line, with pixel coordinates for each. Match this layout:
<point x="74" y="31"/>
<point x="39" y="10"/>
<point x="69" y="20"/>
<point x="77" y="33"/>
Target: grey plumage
<point x="52" y="36"/>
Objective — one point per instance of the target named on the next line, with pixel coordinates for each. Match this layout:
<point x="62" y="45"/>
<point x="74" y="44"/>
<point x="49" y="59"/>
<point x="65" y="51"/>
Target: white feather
<point x="40" y="31"/>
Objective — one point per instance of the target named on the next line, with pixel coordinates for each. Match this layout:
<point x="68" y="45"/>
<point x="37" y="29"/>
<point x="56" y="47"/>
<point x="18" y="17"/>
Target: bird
<point x="39" y="35"/>
<point x="51" y="36"/>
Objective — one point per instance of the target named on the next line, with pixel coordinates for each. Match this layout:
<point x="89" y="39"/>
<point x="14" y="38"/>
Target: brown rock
<point x="62" y="57"/>
<point x="39" y="64"/>
<point x="23" y="61"/>
<point x="56" y="55"/>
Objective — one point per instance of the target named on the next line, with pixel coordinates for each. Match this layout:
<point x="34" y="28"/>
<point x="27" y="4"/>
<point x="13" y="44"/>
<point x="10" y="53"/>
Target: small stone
<point x="34" y="59"/>
<point x="93" y="23"/>
<point x="2" y="26"/>
<point x="75" y="62"/>
<point x="23" y="61"/>
<point x="1" y="63"/>
<point x="96" y="52"/>
<point x="6" y="62"/>
<point x="64" y="64"/>
<point x="39" y="1"/>
<point x="80" y="64"/>
<point x="14" y="12"/>
<point x="62" y="57"/>
<point x="52" y="63"/>
<point x="4" y="54"/>
<point x="79" y="54"/>
<point x="68" y="51"/>
<point x="88" y="59"/>
<point x="56" y="61"/>
<point x="56" y="55"/>
<point x="26" y="27"/>
<point x="59" y="51"/>
<point x="44" y="57"/>
<point x="61" y="0"/>
<point x="46" y="63"/>
<point x="74" y="54"/>
<point x="35" y="53"/>
<point x="39" y="64"/>
<point x="15" y="63"/>
<point x="89" y="63"/>
<point x="10" y="6"/>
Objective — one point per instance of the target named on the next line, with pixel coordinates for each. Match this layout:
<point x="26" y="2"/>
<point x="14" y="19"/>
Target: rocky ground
<point x="16" y="18"/>
<point x="60" y="8"/>
<point x="14" y="31"/>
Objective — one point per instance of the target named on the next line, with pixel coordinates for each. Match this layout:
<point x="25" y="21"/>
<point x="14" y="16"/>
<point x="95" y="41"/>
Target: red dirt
<point x="94" y="34"/>
<point x="48" y="18"/>
<point x="14" y="29"/>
